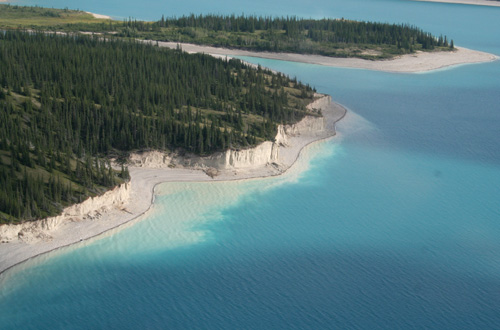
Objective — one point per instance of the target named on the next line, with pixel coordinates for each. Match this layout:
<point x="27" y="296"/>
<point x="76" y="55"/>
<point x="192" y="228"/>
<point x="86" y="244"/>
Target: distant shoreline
<point x="490" y="3"/>
<point x="76" y="229"/>
<point x="410" y="63"/>
<point x="97" y="15"/>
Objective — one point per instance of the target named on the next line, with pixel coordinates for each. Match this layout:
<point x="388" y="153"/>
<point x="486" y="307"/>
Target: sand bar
<point x="99" y="15"/>
<point x="143" y="183"/>
<point x="411" y="63"/>
<point x="491" y="3"/>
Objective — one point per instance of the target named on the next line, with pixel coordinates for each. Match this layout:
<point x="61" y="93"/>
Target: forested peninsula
<point x="327" y="37"/>
<point x="68" y="104"/>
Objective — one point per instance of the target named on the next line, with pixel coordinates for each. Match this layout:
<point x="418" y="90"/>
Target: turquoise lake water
<point x="395" y="223"/>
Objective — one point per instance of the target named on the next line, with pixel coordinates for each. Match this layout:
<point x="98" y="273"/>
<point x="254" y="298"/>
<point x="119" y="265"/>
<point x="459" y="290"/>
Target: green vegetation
<point x="38" y="17"/>
<point x="328" y="37"/>
<point x="70" y="103"/>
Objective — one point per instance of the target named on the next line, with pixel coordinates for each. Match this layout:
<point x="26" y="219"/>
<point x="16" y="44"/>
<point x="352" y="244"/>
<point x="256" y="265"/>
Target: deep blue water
<point x="393" y="224"/>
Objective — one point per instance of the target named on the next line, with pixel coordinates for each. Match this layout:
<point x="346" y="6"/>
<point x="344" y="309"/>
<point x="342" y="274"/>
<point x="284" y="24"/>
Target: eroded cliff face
<point x="265" y="153"/>
<point x="237" y="159"/>
<point x="92" y="208"/>
<point x="269" y="152"/>
<point x="150" y="159"/>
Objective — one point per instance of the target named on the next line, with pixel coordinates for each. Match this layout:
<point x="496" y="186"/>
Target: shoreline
<point x="409" y="63"/>
<point x="489" y="3"/>
<point x="144" y="181"/>
<point x="100" y="16"/>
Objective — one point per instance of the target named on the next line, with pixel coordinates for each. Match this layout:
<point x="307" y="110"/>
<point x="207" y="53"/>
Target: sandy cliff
<point x="92" y="208"/>
<point x="266" y="153"/>
<point x="150" y="159"/>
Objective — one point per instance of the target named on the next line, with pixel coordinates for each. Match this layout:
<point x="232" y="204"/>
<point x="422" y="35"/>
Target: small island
<point x="398" y="48"/>
<point x="326" y="37"/>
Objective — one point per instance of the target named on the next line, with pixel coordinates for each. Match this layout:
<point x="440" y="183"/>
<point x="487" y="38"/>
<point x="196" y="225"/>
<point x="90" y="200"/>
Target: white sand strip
<point x="491" y="3"/>
<point x="411" y="63"/>
<point x="143" y="183"/>
<point x="99" y="15"/>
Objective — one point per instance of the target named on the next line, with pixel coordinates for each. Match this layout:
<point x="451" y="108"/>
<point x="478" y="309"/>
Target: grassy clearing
<point x="38" y="17"/>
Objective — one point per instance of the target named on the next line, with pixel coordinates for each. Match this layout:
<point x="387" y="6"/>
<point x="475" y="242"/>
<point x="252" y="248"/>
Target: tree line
<point x="330" y="37"/>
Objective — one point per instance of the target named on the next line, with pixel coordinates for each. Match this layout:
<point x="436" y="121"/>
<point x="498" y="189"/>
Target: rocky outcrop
<point x="92" y="208"/>
<point x="150" y="159"/>
<point x="116" y="197"/>
<point x="236" y="159"/>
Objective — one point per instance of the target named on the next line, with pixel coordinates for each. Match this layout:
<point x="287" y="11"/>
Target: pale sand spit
<point x="143" y="183"/>
<point x="411" y="63"/>
<point x="491" y="3"/>
<point x="99" y="15"/>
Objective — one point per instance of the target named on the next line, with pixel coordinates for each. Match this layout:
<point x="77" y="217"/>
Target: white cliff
<point x="91" y="208"/>
<point x="269" y="152"/>
<point x="263" y="154"/>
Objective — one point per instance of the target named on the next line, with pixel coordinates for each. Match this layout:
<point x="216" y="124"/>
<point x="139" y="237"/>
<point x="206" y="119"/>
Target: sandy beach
<point x="491" y="3"/>
<point x="99" y="15"/>
<point x="75" y="229"/>
<point x="411" y="63"/>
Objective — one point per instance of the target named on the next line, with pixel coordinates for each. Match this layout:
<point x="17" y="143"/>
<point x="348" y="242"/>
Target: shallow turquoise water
<point x="393" y="224"/>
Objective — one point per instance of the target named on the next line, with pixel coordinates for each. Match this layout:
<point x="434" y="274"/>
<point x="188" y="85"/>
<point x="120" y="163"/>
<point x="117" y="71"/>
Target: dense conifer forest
<point x="328" y="37"/>
<point x="70" y="103"/>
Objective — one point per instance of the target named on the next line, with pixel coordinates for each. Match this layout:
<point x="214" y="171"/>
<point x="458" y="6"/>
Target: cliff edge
<point x="92" y="208"/>
<point x="268" y="153"/>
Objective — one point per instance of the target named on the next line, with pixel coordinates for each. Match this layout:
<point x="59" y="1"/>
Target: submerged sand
<point x="143" y="183"/>
<point x="411" y="63"/>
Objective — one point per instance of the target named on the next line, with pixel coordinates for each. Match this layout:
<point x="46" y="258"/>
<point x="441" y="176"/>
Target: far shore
<point x="145" y="179"/>
<point x="491" y="3"/>
<point x="143" y="182"/>
<point x="410" y="63"/>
